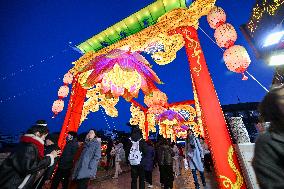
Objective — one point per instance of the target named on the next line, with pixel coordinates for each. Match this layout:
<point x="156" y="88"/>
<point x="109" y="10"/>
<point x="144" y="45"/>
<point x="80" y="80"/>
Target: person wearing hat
<point x="50" y="145"/>
<point x="21" y="169"/>
<point x="65" y="163"/>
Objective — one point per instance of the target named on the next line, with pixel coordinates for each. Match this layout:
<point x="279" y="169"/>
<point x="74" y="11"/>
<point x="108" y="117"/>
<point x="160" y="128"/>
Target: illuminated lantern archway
<point x="175" y="29"/>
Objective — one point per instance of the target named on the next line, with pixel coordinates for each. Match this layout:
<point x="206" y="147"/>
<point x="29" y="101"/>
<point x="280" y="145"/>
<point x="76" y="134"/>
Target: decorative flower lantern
<point x="68" y="78"/>
<point x="57" y="106"/>
<point x="216" y="17"/>
<point x="225" y="35"/>
<point x="156" y="101"/>
<point x="121" y="73"/>
<point x="63" y="91"/>
<point x="237" y="59"/>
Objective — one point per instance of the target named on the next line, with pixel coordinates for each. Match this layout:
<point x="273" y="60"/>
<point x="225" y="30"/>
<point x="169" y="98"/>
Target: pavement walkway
<point x="185" y="181"/>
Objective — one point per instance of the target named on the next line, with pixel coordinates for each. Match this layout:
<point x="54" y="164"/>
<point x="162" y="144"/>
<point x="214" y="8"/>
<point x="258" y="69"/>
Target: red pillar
<point x="74" y="111"/>
<point x="146" y="125"/>
<point x="225" y="160"/>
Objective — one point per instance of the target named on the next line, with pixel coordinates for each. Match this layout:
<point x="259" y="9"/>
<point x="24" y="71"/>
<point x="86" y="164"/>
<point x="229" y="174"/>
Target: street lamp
<point x="276" y="59"/>
<point x="273" y="38"/>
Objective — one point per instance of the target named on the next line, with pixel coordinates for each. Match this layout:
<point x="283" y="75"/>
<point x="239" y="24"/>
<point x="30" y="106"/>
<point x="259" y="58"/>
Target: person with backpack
<point x="65" y="163"/>
<point x="119" y="156"/>
<point x="24" y="165"/>
<point x="86" y="167"/>
<point x="136" y="156"/>
<point x="149" y="163"/>
<point x="195" y="157"/>
<point x="165" y="156"/>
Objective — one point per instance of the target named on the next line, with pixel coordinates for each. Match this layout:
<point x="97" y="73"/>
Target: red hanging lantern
<point x="237" y="59"/>
<point x="216" y="17"/>
<point x="68" y="78"/>
<point x="57" y="106"/>
<point x="63" y="91"/>
<point x="225" y="35"/>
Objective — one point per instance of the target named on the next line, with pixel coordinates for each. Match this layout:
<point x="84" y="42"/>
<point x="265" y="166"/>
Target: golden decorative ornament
<point x="95" y="100"/>
<point x="227" y="182"/>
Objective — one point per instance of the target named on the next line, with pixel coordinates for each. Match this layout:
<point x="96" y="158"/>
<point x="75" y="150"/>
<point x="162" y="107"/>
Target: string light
<point x="42" y="61"/>
<point x="25" y="92"/>
<point x="267" y="7"/>
<point x="108" y="125"/>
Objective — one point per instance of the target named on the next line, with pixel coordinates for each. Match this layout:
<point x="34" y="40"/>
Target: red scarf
<point x="38" y="144"/>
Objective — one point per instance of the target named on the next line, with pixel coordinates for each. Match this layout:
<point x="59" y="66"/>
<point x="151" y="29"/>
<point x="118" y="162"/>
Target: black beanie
<point x="52" y="137"/>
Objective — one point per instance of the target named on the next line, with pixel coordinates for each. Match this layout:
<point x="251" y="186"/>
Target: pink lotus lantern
<point x="63" y="91"/>
<point x="216" y="17"/>
<point x="225" y="35"/>
<point x="237" y="59"/>
<point x="68" y="78"/>
<point x="57" y="106"/>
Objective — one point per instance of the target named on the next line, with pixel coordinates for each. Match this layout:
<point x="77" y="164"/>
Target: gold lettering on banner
<point x="195" y="45"/>
<point x="227" y="182"/>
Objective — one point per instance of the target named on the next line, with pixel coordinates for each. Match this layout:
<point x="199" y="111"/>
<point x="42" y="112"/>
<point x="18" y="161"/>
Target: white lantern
<point x="225" y="35"/>
<point x="57" y="106"/>
<point x="237" y="59"/>
<point x="63" y="91"/>
<point x="68" y="78"/>
<point x="216" y="17"/>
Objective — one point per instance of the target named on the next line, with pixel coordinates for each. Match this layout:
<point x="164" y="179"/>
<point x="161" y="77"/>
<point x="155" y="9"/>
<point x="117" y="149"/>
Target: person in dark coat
<point x="165" y="157"/>
<point x="137" y="170"/>
<point x="22" y="168"/>
<point x="149" y="163"/>
<point x="86" y="167"/>
<point x="65" y="163"/>
<point x="51" y="145"/>
<point x="109" y="156"/>
<point x="268" y="161"/>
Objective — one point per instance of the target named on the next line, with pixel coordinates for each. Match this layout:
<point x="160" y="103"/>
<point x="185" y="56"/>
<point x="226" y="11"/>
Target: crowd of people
<point x="38" y="162"/>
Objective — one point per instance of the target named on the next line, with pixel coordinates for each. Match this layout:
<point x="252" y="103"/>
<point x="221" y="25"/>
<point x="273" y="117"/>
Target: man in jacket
<point x="165" y="157"/>
<point x="20" y="170"/>
<point x="66" y="162"/>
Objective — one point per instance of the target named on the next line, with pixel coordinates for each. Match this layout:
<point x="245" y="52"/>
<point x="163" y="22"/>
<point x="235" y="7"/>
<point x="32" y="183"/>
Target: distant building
<point x="248" y="111"/>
